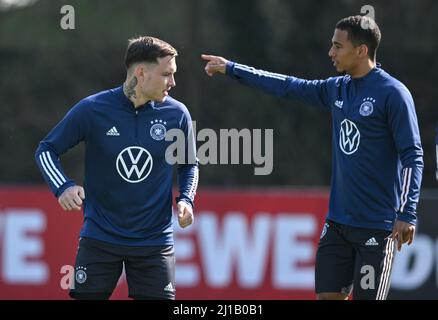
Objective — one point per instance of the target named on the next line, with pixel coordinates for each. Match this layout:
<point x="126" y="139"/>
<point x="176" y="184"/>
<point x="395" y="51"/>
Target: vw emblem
<point x="134" y="159"/>
<point x="349" y="137"/>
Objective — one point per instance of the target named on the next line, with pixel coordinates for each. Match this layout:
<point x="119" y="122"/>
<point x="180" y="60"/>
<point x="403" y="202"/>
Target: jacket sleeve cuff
<point x="186" y="200"/>
<point x="229" y="68"/>
<point x="407" y="217"/>
<point x="61" y="189"/>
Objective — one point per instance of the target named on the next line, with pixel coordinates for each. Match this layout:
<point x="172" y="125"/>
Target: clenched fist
<point x="71" y="198"/>
<point x="185" y="214"/>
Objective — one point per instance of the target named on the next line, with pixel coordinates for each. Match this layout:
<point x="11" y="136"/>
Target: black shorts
<point x="150" y="270"/>
<point x="354" y="258"/>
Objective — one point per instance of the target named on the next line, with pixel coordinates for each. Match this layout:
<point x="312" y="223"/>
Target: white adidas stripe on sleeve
<point x="262" y="72"/>
<point x="194" y="184"/>
<point x="54" y="167"/>
<point x="407" y="172"/>
<point x="47" y="171"/>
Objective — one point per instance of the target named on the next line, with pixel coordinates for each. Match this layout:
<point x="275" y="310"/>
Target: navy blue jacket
<point x="128" y="182"/>
<point x="377" y="152"/>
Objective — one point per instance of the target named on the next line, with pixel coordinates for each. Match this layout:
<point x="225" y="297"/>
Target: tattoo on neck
<point x="129" y="88"/>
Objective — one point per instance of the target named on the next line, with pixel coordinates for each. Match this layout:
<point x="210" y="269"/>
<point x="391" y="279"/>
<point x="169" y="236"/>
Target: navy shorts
<point x="354" y="259"/>
<point x="150" y="270"/>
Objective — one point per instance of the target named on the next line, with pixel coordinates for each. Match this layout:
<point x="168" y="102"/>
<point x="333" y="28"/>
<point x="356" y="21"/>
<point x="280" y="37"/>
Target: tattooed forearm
<point x="129" y="88"/>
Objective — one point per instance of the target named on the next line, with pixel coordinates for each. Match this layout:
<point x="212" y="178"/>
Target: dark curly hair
<point x="362" y="30"/>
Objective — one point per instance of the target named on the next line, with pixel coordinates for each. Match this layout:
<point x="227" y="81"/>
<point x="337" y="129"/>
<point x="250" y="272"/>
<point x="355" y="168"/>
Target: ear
<point x="363" y="51"/>
<point x="139" y="71"/>
<point x="144" y="70"/>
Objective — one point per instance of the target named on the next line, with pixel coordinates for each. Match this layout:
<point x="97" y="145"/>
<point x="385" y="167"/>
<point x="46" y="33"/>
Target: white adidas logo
<point x="169" y="287"/>
<point x="339" y="103"/>
<point x="372" y="242"/>
<point x="113" y="132"/>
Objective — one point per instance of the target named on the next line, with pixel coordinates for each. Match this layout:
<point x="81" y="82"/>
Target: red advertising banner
<point x="243" y="245"/>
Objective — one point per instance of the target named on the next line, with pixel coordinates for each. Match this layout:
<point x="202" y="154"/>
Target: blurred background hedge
<point x="45" y="70"/>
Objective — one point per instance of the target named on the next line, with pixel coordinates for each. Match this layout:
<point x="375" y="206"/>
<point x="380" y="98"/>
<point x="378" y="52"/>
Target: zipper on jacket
<point x="136" y="124"/>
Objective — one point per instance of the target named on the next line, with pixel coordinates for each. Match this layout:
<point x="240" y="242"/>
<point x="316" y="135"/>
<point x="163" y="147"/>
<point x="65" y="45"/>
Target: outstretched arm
<point x="313" y="92"/>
